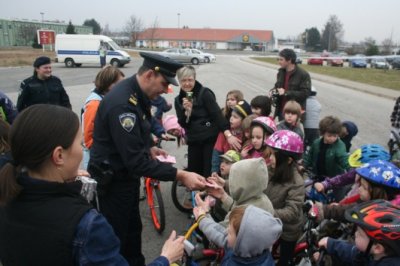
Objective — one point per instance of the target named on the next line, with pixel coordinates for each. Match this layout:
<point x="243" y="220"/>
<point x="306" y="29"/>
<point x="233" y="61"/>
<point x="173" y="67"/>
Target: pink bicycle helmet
<point x="171" y="122"/>
<point x="287" y="141"/>
<point x="266" y="122"/>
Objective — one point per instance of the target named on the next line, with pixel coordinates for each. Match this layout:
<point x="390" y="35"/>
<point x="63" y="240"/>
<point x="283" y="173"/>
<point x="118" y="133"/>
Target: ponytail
<point x="9" y="188"/>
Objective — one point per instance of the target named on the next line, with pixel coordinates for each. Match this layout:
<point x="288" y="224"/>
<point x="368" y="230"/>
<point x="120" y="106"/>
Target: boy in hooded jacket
<point x="246" y="241"/>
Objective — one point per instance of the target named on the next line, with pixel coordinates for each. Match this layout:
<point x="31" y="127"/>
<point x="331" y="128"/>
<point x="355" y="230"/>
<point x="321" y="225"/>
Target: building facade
<point x="23" y="32"/>
<point x="224" y="39"/>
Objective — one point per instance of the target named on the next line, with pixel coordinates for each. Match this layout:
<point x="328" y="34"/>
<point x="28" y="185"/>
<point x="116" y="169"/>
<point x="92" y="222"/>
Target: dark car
<point x="396" y="63"/>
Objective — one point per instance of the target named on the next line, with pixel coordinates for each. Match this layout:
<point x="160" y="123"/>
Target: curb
<point x="332" y="80"/>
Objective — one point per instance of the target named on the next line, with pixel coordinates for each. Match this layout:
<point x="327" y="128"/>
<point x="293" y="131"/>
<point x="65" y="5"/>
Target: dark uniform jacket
<point x="206" y="119"/>
<point x="39" y="226"/>
<point x="49" y="91"/>
<point x="122" y="134"/>
<point x="299" y="87"/>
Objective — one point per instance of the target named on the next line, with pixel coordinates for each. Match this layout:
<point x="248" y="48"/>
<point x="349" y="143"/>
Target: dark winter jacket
<point x="352" y="131"/>
<point x="349" y="254"/>
<point x="35" y="91"/>
<point x="206" y="119"/>
<point x="299" y="87"/>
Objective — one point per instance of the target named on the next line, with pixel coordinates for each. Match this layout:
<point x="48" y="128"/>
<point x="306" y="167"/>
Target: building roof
<point x="222" y="35"/>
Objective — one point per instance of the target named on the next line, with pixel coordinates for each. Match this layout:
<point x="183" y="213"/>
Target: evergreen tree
<point x="70" y="28"/>
<point x="94" y="24"/>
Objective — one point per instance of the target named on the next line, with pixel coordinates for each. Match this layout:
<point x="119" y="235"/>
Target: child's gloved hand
<point x="198" y="211"/>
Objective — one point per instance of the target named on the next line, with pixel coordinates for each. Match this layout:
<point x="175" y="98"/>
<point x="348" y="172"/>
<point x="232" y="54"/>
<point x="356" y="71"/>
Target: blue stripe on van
<point x="85" y="52"/>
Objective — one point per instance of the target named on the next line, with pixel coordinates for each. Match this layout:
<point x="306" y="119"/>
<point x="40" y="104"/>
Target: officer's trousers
<point x="120" y="206"/>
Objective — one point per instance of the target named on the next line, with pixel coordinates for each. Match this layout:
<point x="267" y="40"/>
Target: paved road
<point x="370" y="112"/>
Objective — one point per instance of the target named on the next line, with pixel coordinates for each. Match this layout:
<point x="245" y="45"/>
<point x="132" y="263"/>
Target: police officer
<point x="123" y="151"/>
<point x="42" y="87"/>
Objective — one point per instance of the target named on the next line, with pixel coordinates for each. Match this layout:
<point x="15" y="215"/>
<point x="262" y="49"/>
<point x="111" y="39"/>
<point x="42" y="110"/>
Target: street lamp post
<point x="179" y="16"/>
<point x="42" y="13"/>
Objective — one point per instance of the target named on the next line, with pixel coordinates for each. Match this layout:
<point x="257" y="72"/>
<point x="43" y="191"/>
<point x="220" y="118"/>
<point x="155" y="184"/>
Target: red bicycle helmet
<point x="379" y="219"/>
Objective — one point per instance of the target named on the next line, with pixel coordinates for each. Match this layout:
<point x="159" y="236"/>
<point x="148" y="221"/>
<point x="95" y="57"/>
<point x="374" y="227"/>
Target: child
<point x="376" y="180"/>
<point x="291" y="115"/>
<point x="227" y="159"/>
<point x="359" y="157"/>
<point x="172" y="127"/>
<point x="232" y="98"/>
<point x="261" y="128"/>
<point x="248" y="179"/>
<point x="311" y="122"/>
<point x="5" y="150"/>
<point x="327" y="156"/>
<point x="348" y="132"/>
<point x="376" y="239"/>
<point x="286" y="188"/>
<point x="246" y="129"/>
<point x="249" y="237"/>
<point x="159" y="107"/>
<point x="239" y="112"/>
<point x="261" y="105"/>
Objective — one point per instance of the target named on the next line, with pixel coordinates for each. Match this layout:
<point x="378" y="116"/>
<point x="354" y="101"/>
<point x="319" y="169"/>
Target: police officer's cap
<point x="165" y="66"/>
<point x="42" y="60"/>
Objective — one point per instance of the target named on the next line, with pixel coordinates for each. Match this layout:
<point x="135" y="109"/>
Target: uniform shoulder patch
<point x="127" y="121"/>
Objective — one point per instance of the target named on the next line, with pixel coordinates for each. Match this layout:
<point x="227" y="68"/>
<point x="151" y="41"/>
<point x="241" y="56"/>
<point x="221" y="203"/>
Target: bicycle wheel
<point x="181" y="197"/>
<point x="156" y="204"/>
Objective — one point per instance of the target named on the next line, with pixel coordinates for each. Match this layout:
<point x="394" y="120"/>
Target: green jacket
<point x="336" y="158"/>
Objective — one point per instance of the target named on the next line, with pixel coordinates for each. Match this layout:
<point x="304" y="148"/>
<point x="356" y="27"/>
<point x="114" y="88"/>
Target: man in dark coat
<point x="293" y="83"/>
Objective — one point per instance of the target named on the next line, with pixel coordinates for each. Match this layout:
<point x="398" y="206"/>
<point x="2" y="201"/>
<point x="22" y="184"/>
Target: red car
<point x="335" y="62"/>
<point x="315" y="61"/>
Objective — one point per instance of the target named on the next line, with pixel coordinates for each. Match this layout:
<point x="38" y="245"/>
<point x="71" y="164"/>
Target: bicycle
<point x="152" y="192"/>
<point x="181" y="197"/>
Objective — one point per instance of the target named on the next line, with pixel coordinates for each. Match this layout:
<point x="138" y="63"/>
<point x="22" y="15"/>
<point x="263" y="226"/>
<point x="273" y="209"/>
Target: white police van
<point x="78" y="49"/>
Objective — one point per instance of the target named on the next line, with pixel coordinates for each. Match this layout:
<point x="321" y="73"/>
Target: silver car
<point x="379" y="63"/>
<point x="207" y="56"/>
<point x="184" y="56"/>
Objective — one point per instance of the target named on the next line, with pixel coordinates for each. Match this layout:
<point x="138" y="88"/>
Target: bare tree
<point x="106" y="30"/>
<point x="387" y="45"/>
<point x="132" y="28"/>
<point x="153" y="32"/>
<point x="332" y="33"/>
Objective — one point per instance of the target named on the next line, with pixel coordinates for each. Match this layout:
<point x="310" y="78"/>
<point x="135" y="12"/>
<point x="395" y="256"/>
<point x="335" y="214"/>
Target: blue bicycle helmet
<point x="381" y="172"/>
<point x="367" y="153"/>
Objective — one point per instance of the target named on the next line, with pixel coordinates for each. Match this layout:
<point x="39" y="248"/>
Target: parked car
<point x="358" y="63"/>
<point x="379" y="63"/>
<point x="396" y="63"/>
<point x="298" y="59"/>
<point x="335" y="62"/>
<point x="183" y="56"/>
<point x="207" y="56"/>
<point x="316" y="60"/>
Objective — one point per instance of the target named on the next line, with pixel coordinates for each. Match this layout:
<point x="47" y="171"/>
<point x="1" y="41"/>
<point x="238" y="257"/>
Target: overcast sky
<point x="378" y="19"/>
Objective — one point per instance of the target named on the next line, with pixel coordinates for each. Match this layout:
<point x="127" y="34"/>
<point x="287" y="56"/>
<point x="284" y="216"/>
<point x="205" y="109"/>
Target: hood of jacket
<point x="247" y="181"/>
<point x="258" y="231"/>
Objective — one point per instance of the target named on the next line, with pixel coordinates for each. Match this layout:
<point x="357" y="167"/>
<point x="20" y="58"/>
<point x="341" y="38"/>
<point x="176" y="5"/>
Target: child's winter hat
<point x="243" y="109"/>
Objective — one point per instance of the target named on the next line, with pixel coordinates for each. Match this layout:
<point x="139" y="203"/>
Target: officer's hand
<point x="191" y="180"/>
<point x="173" y="248"/>
<point x="154" y="152"/>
